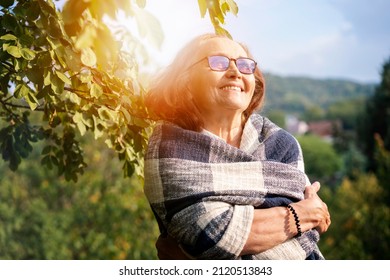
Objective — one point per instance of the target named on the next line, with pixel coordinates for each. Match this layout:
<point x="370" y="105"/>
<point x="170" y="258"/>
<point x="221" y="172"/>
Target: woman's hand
<point x="312" y="211"/>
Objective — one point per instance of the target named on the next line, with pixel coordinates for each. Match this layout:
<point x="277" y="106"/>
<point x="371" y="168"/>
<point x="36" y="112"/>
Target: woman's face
<point x="220" y="91"/>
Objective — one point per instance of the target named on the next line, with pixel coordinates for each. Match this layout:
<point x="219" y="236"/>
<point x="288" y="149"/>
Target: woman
<point x="224" y="182"/>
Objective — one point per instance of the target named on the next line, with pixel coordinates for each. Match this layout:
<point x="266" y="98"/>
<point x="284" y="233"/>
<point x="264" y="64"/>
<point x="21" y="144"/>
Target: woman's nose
<point x="233" y="70"/>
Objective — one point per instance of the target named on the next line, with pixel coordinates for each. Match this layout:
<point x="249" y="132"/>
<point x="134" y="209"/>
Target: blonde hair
<point x="169" y="98"/>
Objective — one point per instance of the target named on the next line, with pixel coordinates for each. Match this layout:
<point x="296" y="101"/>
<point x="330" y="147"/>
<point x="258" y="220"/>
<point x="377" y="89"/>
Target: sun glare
<point x="180" y="21"/>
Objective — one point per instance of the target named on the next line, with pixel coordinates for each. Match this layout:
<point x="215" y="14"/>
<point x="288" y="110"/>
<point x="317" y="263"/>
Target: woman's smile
<point x="232" y="88"/>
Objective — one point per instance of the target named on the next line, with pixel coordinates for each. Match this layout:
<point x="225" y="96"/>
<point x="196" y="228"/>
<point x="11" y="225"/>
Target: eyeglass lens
<point x="221" y="63"/>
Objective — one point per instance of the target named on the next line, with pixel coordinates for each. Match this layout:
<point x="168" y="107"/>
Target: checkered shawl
<point x="203" y="191"/>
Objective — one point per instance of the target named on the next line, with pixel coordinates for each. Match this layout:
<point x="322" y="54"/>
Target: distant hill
<point x="294" y="95"/>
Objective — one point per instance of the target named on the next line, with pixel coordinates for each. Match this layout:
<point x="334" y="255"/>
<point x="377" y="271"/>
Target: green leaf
<point x="14" y="161"/>
<point x="96" y="90"/>
<point x="58" y="51"/>
<point x="9" y="37"/>
<point x="9" y="22"/>
<point x="20" y="64"/>
<point x="82" y="128"/>
<point x="10" y="154"/>
<point x="35" y="75"/>
<point x="54" y="160"/>
<point x="88" y="57"/>
<point x="57" y="85"/>
<point x="45" y="93"/>
<point x="222" y="31"/>
<point x="44" y="59"/>
<point x="74" y="98"/>
<point x="7" y="3"/>
<point x="225" y="8"/>
<point x="78" y="120"/>
<point x="21" y="91"/>
<point x="33" y="11"/>
<point x="130" y="154"/>
<point x="202" y="7"/>
<point x="26" y="40"/>
<point x="63" y="77"/>
<point x="72" y="59"/>
<point x="46" y="150"/>
<point x="126" y="115"/>
<point x="98" y="128"/>
<point x="217" y="12"/>
<point x="60" y="54"/>
<point x="5" y="46"/>
<point x="107" y="114"/>
<point x="23" y="147"/>
<point x="128" y="169"/>
<point x="46" y="161"/>
<point x="14" y="51"/>
<point x="229" y="6"/>
<point x="54" y="28"/>
<point x="32" y="101"/>
<point x="141" y="122"/>
<point x="27" y="53"/>
<point x="47" y="77"/>
<point x="86" y="38"/>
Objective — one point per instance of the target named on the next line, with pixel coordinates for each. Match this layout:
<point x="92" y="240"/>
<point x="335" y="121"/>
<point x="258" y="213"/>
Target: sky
<point x="336" y="39"/>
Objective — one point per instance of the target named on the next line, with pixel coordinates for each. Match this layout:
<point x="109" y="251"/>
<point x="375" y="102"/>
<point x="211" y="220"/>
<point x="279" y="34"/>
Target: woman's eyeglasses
<point x="221" y="63"/>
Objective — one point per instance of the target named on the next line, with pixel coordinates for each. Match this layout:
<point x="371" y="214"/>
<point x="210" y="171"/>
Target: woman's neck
<point x="229" y="129"/>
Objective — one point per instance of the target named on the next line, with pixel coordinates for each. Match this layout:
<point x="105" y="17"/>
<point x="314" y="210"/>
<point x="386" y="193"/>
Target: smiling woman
<point x="224" y="182"/>
<point x="229" y="91"/>
<point x="172" y="97"/>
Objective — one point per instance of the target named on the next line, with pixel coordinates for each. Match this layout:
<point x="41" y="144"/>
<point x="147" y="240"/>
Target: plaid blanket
<point x="203" y="191"/>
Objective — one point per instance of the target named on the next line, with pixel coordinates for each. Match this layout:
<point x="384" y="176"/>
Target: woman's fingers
<point x="316" y="186"/>
<point x="317" y="208"/>
<point x="312" y="189"/>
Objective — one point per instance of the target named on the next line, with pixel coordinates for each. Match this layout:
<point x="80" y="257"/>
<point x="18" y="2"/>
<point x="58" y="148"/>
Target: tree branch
<point x="7" y="104"/>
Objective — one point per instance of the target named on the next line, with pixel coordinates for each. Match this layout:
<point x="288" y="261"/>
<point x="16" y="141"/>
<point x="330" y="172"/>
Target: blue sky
<point x="348" y="39"/>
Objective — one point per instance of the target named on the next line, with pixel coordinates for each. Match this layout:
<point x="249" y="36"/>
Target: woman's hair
<point x="169" y="98"/>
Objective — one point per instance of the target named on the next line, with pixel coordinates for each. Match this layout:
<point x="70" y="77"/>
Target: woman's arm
<point x="273" y="226"/>
<point x="270" y="227"/>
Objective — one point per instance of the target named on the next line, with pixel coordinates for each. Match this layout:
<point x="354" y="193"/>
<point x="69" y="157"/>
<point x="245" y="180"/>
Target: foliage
<point x="376" y="119"/>
<point x="347" y="111"/>
<point x="322" y="163"/>
<point x="298" y="95"/>
<point x="278" y="117"/>
<point x="69" y="66"/>
<point x="360" y="221"/>
<point x="313" y="113"/>
<point x="217" y="11"/>
<point x="103" y="216"/>
<point x="382" y="157"/>
<point x="354" y="161"/>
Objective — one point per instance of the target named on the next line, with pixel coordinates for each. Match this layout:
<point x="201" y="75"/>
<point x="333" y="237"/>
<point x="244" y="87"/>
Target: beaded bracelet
<point x="289" y="207"/>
